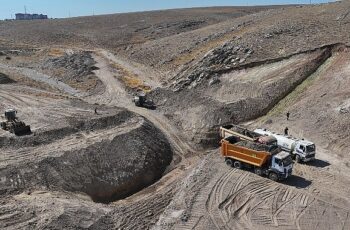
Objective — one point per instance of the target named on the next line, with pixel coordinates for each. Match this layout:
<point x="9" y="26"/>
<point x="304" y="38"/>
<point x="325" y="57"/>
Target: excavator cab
<point x="140" y="99"/>
<point x="10" y="114"/>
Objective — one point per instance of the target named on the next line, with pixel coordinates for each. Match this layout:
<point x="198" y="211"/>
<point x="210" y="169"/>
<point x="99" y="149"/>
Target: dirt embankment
<point x="70" y="125"/>
<point x="319" y="108"/>
<point x="4" y="79"/>
<point x="236" y="96"/>
<point x="75" y="69"/>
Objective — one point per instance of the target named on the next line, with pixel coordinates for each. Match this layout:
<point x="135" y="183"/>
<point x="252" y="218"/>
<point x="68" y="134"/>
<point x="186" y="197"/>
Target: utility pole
<point x="25" y="10"/>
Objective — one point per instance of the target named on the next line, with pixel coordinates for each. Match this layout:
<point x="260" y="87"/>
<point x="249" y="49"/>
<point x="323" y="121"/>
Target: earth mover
<point x="264" y="159"/>
<point x="141" y="100"/>
<point x="300" y="149"/>
<point x="13" y="125"/>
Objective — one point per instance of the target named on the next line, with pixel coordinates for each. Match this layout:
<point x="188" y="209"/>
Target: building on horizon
<point x="21" y="16"/>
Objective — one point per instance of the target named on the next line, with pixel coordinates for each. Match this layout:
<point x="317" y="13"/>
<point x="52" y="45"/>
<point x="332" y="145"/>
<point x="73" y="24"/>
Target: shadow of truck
<point x="297" y="181"/>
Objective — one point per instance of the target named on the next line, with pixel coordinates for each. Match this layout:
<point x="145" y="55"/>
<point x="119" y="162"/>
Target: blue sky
<point x="64" y="8"/>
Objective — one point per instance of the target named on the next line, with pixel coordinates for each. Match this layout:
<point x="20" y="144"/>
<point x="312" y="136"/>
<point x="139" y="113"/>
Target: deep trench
<point x="106" y="170"/>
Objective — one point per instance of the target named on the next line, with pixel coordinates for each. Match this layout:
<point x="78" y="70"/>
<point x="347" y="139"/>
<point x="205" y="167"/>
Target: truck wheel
<point x="258" y="171"/>
<point x="273" y="176"/>
<point x="297" y="159"/>
<point x="237" y="164"/>
<point x="229" y="162"/>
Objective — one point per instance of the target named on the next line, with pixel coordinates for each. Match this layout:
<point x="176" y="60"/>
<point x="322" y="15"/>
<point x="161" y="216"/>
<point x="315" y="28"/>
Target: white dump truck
<point x="301" y="150"/>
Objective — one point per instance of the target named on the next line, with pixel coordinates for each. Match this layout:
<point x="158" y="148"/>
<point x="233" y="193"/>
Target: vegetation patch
<point x="131" y="80"/>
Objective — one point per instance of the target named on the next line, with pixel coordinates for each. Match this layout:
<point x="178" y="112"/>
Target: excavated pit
<point x="112" y="162"/>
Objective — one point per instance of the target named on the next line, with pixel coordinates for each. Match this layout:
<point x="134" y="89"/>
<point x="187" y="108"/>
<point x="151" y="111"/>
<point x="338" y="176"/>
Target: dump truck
<point x="301" y="150"/>
<point x="264" y="159"/>
<point x="245" y="134"/>
<point x="13" y="125"/>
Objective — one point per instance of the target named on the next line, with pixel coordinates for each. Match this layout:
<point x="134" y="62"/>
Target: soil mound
<point x="4" y="79"/>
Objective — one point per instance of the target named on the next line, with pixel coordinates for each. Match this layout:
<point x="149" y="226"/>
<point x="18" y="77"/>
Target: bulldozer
<point x="13" y="125"/>
<point x="141" y="100"/>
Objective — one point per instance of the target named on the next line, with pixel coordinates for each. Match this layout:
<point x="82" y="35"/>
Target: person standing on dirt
<point x="288" y="114"/>
<point x="286" y="131"/>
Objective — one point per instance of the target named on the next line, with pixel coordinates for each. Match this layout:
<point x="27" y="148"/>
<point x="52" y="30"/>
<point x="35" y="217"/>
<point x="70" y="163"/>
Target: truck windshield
<point x="287" y="161"/>
<point x="273" y="148"/>
<point x="310" y="148"/>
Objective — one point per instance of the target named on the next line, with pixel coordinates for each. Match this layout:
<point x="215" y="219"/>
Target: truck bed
<point x="244" y="151"/>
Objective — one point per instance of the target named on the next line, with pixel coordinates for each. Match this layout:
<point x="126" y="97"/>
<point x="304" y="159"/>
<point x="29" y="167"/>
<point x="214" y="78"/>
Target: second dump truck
<point x="266" y="160"/>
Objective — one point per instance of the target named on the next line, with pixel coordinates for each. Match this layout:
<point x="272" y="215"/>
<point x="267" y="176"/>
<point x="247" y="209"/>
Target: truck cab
<point x="282" y="165"/>
<point x="304" y="150"/>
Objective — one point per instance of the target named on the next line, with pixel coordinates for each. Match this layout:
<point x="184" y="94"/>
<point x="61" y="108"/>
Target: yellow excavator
<point x="13" y="125"/>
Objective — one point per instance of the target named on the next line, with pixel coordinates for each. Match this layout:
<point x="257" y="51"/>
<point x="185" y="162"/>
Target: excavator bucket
<point x="22" y="130"/>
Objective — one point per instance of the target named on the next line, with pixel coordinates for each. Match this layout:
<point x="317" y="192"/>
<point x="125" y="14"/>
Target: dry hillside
<point x="96" y="161"/>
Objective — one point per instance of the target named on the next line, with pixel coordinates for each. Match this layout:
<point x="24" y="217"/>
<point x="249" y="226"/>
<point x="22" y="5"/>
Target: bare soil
<point x="126" y="167"/>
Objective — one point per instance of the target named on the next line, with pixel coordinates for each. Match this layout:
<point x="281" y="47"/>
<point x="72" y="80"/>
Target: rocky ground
<point x="127" y="167"/>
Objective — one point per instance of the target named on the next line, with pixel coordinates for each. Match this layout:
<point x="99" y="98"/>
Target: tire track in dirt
<point x="213" y="199"/>
<point x="304" y="202"/>
<point x="286" y="199"/>
<point x="324" y="181"/>
<point x="256" y="202"/>
<point x="254" y="191"/>
<point x="142" y="213"/>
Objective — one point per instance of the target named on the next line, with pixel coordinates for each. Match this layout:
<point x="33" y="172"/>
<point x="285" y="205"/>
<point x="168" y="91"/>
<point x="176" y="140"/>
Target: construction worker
<point x="288" y="115"/>
<point x="286" y="131"/>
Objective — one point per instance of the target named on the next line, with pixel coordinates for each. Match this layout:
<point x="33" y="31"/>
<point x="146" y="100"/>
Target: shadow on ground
<point x="297" y="181"/>
<point x="318" y="163"/>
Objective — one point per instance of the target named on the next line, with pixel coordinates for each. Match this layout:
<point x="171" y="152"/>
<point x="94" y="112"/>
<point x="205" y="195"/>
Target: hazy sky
<point x="66" y="8"/>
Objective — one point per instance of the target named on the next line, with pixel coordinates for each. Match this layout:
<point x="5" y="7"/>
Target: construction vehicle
<point x="266" y="160"/>
<point x="245" y="134"/>
<point x="141" y="100"/>
<point x="301" y="150"/>
<point x="13" y="125"/>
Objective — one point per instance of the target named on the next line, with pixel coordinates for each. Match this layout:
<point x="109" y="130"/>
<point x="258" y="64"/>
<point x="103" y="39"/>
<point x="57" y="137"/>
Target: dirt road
<point x="116" y="95"/>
